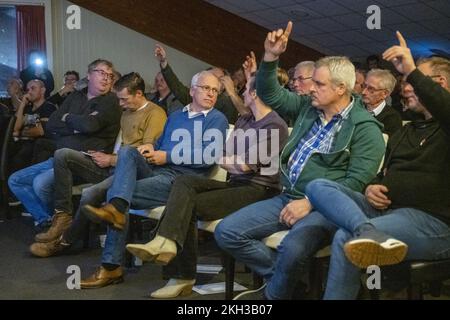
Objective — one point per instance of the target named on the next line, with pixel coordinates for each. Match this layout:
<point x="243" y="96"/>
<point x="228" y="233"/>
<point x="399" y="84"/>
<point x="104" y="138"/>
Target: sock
<point x="110" y="266"/>
<point x="120" y="204"/>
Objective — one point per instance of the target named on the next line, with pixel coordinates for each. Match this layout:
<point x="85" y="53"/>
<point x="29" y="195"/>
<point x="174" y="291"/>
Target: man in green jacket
<point x="334" y="137"/>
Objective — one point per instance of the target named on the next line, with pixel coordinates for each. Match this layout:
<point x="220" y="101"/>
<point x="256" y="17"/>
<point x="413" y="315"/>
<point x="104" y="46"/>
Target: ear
<point x="253" y="93"/>
<point x="443" y="81"/>
<point x="191" y="91"/>
<point x="341" y="89"/>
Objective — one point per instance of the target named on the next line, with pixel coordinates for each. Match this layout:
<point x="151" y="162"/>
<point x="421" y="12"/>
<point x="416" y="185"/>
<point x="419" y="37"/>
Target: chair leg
<point x="315" y="278"/>
<point x="415" y="292"/>
<point x="257" y="280"/>
<point x="4" y="204"/>
<point x="229" y="265"/>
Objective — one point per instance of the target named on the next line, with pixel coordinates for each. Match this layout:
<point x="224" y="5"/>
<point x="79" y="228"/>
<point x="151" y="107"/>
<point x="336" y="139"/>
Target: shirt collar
<point x="192" y="114"/>
<point x="379" y="108"/>
<point x="339" y="116"/>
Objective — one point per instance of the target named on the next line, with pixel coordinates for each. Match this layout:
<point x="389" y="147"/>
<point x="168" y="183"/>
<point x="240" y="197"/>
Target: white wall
<point x="103" y="38"/>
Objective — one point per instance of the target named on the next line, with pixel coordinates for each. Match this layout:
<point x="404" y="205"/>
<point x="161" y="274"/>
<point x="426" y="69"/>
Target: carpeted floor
<point x="23" y="276"/>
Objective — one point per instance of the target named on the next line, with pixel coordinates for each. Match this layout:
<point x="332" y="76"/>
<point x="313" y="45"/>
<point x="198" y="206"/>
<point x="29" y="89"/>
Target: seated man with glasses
<point x="302" y="80"/>
<point x="377" y="87"/>
<point x="85" y="121"/>
<point x="144" y="177"/>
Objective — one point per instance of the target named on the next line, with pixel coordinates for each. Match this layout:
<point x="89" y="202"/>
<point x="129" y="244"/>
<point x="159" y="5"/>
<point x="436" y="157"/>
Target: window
<point x="8" y="47"/>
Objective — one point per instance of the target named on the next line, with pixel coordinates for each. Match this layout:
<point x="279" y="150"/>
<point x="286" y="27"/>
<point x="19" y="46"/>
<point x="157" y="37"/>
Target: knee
<point x="62" y="155"/>
<point x="127" y="151"/>
<point x="43" y="185"/>
<point x="225" y="234"/>
<point x="317" y="186"/>
<point x="15" y="180"/>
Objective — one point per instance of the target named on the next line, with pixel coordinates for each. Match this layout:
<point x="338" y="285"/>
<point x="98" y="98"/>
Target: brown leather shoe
<point x="107" y="213"/>
<point x="48" y="249"/>
<point x="60" y="222"/>
<point x="102" y="278"/>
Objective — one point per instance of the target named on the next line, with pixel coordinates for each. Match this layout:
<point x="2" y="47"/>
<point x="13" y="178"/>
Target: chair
<point x="6" y="131"/>
<point x="418" y="276"/>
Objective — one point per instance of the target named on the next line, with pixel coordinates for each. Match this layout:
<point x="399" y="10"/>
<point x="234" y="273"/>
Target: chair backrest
<point x="6" y="131"/>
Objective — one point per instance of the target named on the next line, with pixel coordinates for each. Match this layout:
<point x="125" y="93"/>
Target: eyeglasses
<point x="103" y="74"/>
<point x="370" y="89"/>
<point x="300" y="79"/>
<point x="208" y="89"/>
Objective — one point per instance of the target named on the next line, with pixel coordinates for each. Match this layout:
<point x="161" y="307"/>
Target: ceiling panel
<point x="327" y="6"/>
<point x="327" y="25"/>
<point x="443" y="6"/>
<point x="412" y="30"/>
<point x="419" y="11"/>
<point x="339" y="27"/>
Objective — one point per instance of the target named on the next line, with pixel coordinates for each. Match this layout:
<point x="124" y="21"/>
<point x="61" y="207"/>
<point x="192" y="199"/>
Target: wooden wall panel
<point x="197" y="28"/>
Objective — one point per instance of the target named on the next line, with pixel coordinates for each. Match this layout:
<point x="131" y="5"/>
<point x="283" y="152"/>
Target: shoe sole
<point x="141" y="253"/>
<point x="161" y="259"/>
<point x="364" y="253"/>
<point x="115" y="281"/>
<point x="184" y="291"/>
<point x="92" y="213"/>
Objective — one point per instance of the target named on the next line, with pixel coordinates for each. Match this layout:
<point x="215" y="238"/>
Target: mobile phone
<point x="87" y="154"/>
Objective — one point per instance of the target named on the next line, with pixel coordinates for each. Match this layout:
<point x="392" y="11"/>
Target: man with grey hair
<point x="302" y="80"/>
<point x="333" y="137"/>
<point x="144" y="176"/>
<point x="377" y="87"/>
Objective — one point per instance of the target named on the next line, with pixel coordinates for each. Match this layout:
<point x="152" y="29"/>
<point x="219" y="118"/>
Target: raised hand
<point x="400" y="56"/>
<point x="276" y="43"/>
<point x="249" y="65"/>
<point x="161" y="55"/>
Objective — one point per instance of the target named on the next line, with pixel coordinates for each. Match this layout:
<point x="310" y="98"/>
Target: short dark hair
<point x="132" y="81"/>
<point x="95" y="63"/>
<point x="72" y="72"/>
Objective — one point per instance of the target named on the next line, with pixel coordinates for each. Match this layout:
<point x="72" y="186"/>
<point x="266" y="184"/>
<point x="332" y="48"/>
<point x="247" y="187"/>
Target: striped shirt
<point x="319" y="139"/>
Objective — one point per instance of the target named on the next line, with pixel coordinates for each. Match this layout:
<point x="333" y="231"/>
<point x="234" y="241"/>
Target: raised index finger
<point x="401" y="40"/>
<point x="288" y="30"/>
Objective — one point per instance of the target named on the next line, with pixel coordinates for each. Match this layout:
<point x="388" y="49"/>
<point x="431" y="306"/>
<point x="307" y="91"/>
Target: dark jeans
<point x="94" y="195"/>
<point x="193" y="197"/>
<point x="68" y="164"/>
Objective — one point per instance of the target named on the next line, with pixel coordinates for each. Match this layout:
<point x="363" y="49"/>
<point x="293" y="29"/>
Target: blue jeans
<point x="144" y="187"/>
<point x="34" y="187"/>
<point x="427" y="237"/>
<point x="240" y="235"/>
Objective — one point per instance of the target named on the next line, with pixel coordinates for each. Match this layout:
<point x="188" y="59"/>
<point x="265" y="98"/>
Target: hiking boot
<point x="60" y="222"/>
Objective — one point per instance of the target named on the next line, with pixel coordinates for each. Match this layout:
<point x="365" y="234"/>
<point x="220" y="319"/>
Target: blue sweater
<point x="184" y="141"/>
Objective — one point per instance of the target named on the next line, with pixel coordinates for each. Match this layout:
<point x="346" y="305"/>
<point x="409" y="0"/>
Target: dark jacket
<point x="91" y="124"/>
<point x="418" y="156"/>
<point x="391" y="120"/>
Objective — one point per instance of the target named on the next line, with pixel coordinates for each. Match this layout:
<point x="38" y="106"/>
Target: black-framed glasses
<point x="301" y="79"/>
<point x="208" y="89"/>
<point x="370" y="89"/>
<point x="103" y="74"/>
